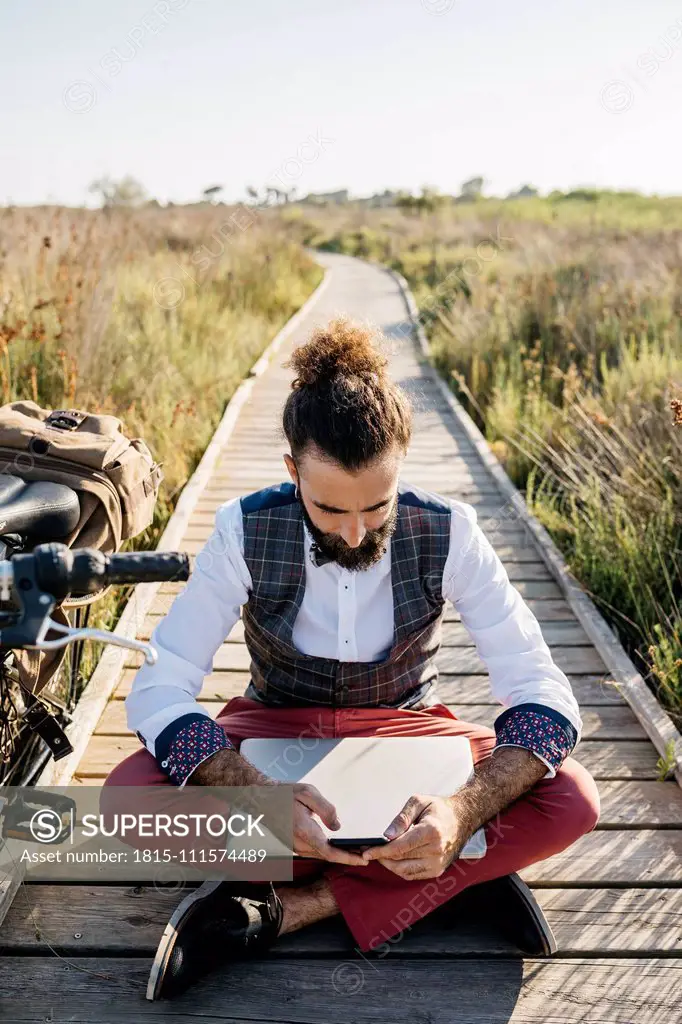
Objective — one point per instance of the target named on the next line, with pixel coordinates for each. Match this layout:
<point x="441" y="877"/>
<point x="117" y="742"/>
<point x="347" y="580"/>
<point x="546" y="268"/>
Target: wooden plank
<point x="217" y="685"/>
<point x="555" y="634"/>
<point x="640" y="805"/>
<point x="358" y="988"/>
<point x="613" y="857"/>
<point x="617" y="759"/>
<point x="584" y="921"/>
<point x="113" y="720"/>
<point x="466" y="659"/>
<point x="615" y="920"/>
<point x="115" y="919"/>
<point x="236" y="634"/>
<point x="604" y="759"/>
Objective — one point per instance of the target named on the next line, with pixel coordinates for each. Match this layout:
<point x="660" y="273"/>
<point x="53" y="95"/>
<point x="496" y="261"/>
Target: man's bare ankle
<point x="305" y="904"/>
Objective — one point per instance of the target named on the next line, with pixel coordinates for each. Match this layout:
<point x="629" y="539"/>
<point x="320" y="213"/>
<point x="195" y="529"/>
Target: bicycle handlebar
<point x="148" y="566"/>
<point x="40" y="579"/>
<point x="59" y="570"/>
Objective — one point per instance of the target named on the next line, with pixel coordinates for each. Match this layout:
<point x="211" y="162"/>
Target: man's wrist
<point x="207" y="770"/>
<point x="227" y="767"/>
<point x="498" y="780"/>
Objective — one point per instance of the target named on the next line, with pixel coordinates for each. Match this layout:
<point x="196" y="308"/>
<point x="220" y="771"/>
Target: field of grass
<point x="152" y="315"/>
<point x="557" y="324"/>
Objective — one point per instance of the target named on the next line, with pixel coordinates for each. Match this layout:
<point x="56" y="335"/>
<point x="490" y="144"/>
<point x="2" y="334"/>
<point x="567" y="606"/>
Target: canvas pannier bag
<point x="116" y="478"/>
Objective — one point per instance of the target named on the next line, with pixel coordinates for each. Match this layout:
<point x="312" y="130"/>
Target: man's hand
<point x="229" y="768"/>
<point x="309" y="839"/>
<point x="430" y="831"/>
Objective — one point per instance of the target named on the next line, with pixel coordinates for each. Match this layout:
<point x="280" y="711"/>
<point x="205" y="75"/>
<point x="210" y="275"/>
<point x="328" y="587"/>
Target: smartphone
<point x="357" y="844"/>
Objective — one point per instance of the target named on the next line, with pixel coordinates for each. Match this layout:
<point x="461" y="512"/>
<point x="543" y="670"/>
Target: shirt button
<point x="164" y="764"/>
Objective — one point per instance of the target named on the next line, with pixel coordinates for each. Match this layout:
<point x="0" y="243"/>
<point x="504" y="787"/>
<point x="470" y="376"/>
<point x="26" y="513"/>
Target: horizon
<point x="352" y="198"/>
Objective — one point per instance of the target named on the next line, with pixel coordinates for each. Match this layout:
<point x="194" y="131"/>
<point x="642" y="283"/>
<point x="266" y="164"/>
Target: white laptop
<point x="369" y="779"/>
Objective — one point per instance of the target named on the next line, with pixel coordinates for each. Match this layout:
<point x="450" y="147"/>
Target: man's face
<point x="350" y="515"/>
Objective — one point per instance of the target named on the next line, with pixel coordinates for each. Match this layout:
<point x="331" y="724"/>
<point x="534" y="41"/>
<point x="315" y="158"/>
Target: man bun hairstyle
<point x="342" y="400"/>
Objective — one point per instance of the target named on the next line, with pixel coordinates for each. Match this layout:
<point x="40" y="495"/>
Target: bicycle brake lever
<point x="72" y="634"/>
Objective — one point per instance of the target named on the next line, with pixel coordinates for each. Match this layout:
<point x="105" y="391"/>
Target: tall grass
<point x="152" y="315"/>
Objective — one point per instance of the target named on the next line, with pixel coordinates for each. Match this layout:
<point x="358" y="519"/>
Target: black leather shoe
<point x="215" y="924"/>
<point x="509" y="906"/>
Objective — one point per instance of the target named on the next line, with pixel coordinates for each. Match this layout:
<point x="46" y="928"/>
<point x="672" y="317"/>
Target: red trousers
<point x="377" y="904"/>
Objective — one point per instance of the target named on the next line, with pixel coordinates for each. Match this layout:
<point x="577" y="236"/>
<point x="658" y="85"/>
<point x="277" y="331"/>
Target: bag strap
<point x="151" y="482"/>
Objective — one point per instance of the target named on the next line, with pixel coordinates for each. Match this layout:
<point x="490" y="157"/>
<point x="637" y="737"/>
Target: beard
<point x="369" y="551"/>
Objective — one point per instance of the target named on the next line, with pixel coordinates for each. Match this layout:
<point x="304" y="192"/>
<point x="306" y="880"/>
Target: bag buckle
<point x="65" y="419"/>
<point x="40" y="720"/>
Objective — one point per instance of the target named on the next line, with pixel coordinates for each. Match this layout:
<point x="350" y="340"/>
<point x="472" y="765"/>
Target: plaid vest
<point x="274" y="553"/>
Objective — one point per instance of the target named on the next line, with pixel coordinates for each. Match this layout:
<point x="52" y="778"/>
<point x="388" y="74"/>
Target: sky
<point x="319" y="95"/>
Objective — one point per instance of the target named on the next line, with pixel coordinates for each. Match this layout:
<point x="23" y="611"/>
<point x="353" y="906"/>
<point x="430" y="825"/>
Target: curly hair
<point x="342" y="400"/>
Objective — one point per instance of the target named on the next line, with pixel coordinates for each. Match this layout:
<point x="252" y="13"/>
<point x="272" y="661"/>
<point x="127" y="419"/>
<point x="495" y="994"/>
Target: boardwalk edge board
<point x="658" y="725"/>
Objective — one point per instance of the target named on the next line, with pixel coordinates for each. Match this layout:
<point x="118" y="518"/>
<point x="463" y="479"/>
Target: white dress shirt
<point x="345" y="615"/>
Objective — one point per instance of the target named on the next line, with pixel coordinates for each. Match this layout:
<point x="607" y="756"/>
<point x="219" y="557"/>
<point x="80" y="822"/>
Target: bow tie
<point x="318" y="557"/>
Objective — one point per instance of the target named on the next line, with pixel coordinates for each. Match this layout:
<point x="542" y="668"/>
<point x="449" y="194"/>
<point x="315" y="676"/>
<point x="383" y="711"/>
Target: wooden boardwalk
<point x="614" y="899"/>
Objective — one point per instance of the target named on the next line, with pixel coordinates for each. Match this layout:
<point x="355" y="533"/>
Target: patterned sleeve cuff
<point x="536" y="727"/>
<point x="185" y="743"/>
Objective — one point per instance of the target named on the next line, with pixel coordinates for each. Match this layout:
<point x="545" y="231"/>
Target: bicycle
<point x="32" y="584"/>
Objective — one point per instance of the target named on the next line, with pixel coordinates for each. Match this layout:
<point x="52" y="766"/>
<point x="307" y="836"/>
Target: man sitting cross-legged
<point x="342" y="576"/>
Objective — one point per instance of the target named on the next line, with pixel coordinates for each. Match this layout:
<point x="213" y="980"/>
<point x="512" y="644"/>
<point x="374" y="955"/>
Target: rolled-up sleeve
<point x="540" y="709"/>
<point x="162" y="707"/>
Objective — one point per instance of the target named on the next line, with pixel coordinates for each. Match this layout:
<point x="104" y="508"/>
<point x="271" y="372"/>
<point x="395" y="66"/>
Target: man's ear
<point x="291" y="466"/>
